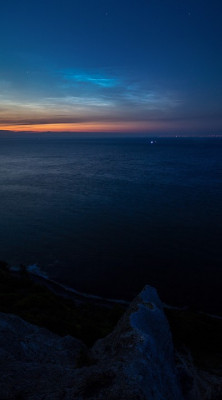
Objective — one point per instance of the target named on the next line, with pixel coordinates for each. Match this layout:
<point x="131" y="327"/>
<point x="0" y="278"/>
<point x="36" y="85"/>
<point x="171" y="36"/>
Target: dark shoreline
<point x="65" y="311"/>
<point x="74" y="295"/>
<point x="80" y="297"/>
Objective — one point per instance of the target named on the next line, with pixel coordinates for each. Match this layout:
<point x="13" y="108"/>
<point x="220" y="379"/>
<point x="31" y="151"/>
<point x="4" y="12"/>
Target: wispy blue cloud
<point x="94" y="79"/>
<point x="83" y="96"/>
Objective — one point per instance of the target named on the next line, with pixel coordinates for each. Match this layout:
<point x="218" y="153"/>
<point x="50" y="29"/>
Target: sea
<point x="106" y="216"/>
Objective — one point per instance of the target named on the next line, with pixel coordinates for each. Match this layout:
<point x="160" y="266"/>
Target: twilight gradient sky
<point x="146" y="66"/>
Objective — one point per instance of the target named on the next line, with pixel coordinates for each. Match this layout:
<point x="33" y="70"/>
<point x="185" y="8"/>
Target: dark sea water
<point x="107" y="216"/>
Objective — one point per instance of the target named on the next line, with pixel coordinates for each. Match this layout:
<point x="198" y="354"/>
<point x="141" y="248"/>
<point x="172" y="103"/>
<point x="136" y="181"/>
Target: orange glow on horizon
<point x="85" y="127"/>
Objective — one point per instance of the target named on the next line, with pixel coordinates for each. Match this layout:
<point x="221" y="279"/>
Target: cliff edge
<point x="135" y="362"/>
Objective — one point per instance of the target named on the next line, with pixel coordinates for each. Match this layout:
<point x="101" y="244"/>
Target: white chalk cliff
<point x="135" y="362"/>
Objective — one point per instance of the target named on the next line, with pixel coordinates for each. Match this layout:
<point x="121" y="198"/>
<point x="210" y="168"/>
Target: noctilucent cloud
<point x="142" y="66"/>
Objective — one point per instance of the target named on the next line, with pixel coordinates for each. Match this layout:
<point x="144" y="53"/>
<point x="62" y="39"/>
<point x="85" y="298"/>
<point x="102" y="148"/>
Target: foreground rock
<point x="135" y="362"/>
<point x="140" y="351"/>
<point x="33" y="361"/>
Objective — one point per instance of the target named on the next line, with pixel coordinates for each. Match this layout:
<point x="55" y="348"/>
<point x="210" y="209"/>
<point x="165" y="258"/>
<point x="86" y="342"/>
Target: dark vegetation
<point x="88" y="321"/>
<point x="201" y="334"/>
<point x="35" y="303"/>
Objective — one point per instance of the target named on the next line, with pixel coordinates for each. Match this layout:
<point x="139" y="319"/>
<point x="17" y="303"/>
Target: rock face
<point x="140" y="351"/>
<point x="197" y="384"/>
<point x="33" y="361"/>
<point x="135" y="362"/>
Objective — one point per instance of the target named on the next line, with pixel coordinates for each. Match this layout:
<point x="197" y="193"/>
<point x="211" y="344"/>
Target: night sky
<point x="143" y="66"/>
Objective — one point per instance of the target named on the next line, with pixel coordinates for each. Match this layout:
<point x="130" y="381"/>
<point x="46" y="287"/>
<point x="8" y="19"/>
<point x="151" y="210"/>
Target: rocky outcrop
<point x="140" y="351"/>
<point x="34" y="362"/>
<point x="135" y="362"/>
<point x="196" y="383"/>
